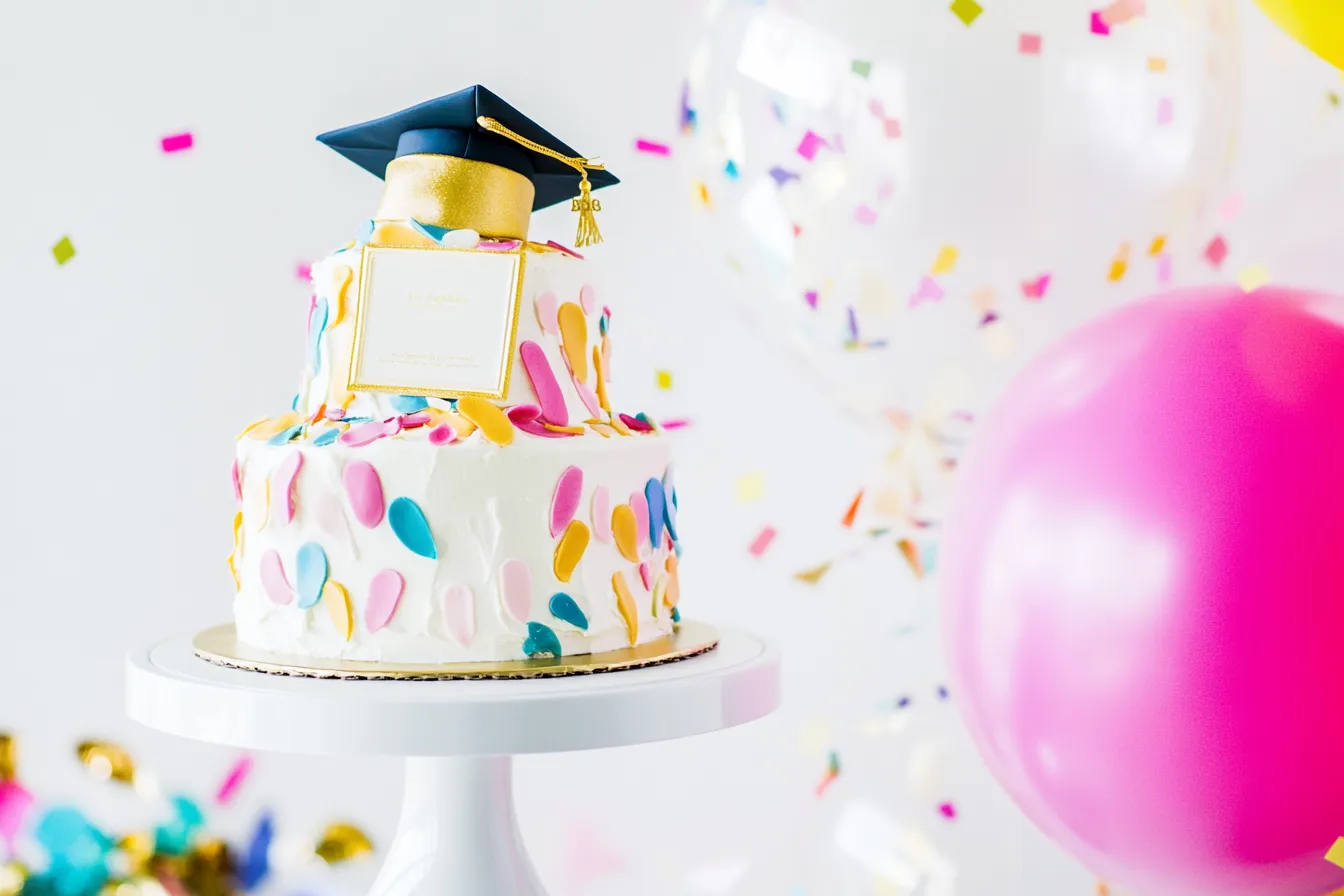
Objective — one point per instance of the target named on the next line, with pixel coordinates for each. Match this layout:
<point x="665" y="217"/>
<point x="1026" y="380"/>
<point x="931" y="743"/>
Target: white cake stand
<point x="458" y="834"/>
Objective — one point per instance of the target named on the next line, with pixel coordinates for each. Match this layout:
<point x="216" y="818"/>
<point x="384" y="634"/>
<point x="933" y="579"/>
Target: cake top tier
<point x="471" y="160"/>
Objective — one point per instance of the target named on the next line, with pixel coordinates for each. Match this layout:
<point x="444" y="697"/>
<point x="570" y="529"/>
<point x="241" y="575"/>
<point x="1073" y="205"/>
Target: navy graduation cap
<point x="471" y="160"/>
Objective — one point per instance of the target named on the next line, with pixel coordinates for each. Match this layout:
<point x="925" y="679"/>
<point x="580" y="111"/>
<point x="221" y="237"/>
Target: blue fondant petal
<point x="327" y="437"/>
<point x="433" y="231"/>
<point x="408" y="404"/>
<point x="566" y="609"/>
<point x="409" y="523"/>
<point x="676" y="615"/>
<point x="540" y="639"/>
<point x="311" y="574"/>
<point x="286" y="436"/>
<point x="653" y="494"/>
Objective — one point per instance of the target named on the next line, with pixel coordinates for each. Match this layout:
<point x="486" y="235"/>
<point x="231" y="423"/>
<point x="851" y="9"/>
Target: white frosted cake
<point x="452" y="527"/>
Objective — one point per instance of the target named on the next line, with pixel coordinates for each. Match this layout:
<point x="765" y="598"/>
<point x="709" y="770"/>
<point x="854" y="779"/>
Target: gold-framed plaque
<point x="436" y="321"/>
<point x="220" y="645"/>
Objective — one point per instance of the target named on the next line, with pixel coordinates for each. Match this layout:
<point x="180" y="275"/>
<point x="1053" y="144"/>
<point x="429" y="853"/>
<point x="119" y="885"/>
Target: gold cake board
<point x="220" y="645"/>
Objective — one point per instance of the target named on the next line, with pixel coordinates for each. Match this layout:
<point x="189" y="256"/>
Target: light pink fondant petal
<point x="330" y="516"/>
<point x="515" y="590"/>
<point x="283" y="503"/>
<point x="411" y="421"/>
<point x="384" y="594"/>
<point x="544" y="384"/>
<point x="565" y="501"/>
<point x="602" y="514"/>
<point x="589" y="398"/>
<point x="365" y="491"/>
<point x="547" y="307"/>
<point x="459" y="613"/>
<point x="273" y="578"/>
<point x="363" y="434"/>
<point x="587" y="299"/>
<point x="640" y="505"/>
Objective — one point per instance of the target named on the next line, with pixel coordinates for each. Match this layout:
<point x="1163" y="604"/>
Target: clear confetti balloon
<point x="907" y="186"/>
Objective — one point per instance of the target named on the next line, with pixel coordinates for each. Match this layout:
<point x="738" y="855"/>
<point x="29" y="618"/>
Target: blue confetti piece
<point x="566" y="609"/>
<point x="409" y="523"/>
<point x="676" y="615"/>
<point x="311" y="575"/>
<point x="852" y="323"/>
<point x="654" y="495"/>
<point x="730" y="169"/>
<point x="540" y="639"/>
<point x="70" y="838"/>
<point x="327" y="437"/>
<point x="294" y="402"/>
<point x="929" y="558"/>
<point x="284" y="438"/>
<point x="408" y="404"/>
<point x="254" y="865"/>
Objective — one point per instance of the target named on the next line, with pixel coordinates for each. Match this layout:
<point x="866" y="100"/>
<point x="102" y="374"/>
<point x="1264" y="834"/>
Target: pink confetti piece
<point x="865" y="215"/>
<point x="177" y="142"/>
<point x="675" y="423"/>
<point x="891" y="127"/>
<point x="808" y="146"/>
<point x="1230" y="208"/>
<point x="565" y="499"/>
<point x="364" y="489"/>
<point x="1099" y="25"/>
<point x="515" y="590"/>
<point x="989" y="318"/>
<point x="1122" y="11"/>
<point x="1029" y="44"/>
<point x="653" y="148"/>
<point x="927" y="291"/>
<point x="811" y="298"/>
<point x="458" y="607"/>
<point x="385" y="592"/>
<point x="233" y="780"/>
<point x="761" y="541"/>
<point x="948" y="810"/>
<point x="1216" y="251"/>
<point x="544" y="384"/>
<point x="601" y="514"/>
<point x="1035" y="289"/>
<point x="304" y="271"/>
<point x="1165" y="110"/>
<point x="886" y="189"/>
<point x="1164" y="268"/>
<point x="15" y="801"/>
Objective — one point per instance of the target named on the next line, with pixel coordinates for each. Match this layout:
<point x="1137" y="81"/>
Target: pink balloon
<point x="1143" y="593"/>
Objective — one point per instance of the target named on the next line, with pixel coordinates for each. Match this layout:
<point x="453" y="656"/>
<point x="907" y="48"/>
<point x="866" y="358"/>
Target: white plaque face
<point x="436" y="321"/>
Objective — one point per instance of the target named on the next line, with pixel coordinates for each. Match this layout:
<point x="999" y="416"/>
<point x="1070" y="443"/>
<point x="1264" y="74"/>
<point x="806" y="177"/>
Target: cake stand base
<point x="458" y="833"/>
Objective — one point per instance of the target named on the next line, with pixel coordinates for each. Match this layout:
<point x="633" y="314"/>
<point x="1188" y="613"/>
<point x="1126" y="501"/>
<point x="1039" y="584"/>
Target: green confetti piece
<point x="966" y="10"/>
<point x="861" y="67"/>
<point x="64" y="250"/>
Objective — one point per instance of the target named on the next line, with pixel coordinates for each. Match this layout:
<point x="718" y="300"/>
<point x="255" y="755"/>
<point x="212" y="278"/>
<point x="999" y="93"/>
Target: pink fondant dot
<point x="587" y="299"/>
<point x="602" y="514"/>
<point x="442" y="434"/>
<point x="544" y="384"/>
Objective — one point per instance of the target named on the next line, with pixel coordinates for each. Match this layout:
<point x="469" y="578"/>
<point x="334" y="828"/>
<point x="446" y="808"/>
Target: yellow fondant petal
<point x="341" y="278"/>
<point x="625" y="603"/>
<point x="337" y="601"/>
<point x="237" y="545"/>
<point x="569" y="549"/>
<point x="625" y="531"/>
<point x="494" y="423"/>
<point x="574" y="339"/>
<point x="392" y="234"/>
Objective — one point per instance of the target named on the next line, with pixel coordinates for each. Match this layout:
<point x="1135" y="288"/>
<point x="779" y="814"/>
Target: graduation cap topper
<point x="469" y="159"/>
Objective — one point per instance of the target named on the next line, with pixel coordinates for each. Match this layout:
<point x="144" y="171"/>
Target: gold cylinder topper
<point x="458" y="194"/>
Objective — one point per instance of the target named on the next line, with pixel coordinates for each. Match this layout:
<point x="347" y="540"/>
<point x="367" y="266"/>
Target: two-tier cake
<point x="453" y="482"/>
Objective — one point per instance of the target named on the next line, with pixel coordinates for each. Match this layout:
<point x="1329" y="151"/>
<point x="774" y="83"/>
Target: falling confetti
<point x="927" y="291"/>
<point x="750" y="487"/>
<point x="861" y="67"/>
<point x="1156" y="246"/>
<point x="702" y="191"/>
<point x="1216" y="251"/>
<point x="653" y="148"/>
<point x="761" y="542"/>
<point x="1157" y="64"/>
<point x="810" y="144"/>
<point x="303" y="271"/>
<point x="9" y="757"/>
<point x="813" y="576"/>
<point x="64" y="250"/>
<point x="1122" y="11"/>
<point x="1165" y="110"/>
<point x="832" y="772"/>
<point x="865" y="215"/>
<point x="233" y="780"/>
<point x="944" y="261"/>
<point x="1029" y="44"/>
<point x="966" y="10"/>
<point x="106" y="760"/>
<point x="1035" y="289"/>
<point x="948" y="811"/>
<point x="910" y="551"/>
<point x="341" y="841"/>
<point x="1253" y="277"/>
<point x="1230" y="208"/>
<point x="848" y="519"/>
<point x="1099" y="25"/>
<point x="664" y="379"/>
<point x="1164" y="268"/>
<point x="177" y="142"/>
<point x="1119" y="264"/>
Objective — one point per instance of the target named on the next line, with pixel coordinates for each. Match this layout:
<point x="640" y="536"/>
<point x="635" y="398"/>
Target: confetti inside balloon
<point x="341" y="842"/>
<point x="107" y="761"/>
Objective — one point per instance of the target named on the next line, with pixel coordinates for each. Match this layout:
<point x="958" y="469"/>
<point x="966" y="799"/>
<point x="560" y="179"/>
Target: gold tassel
<point x="584" y="204"/>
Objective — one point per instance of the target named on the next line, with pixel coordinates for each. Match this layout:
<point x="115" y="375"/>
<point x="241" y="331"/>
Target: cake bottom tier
<point x="403" y="551"/>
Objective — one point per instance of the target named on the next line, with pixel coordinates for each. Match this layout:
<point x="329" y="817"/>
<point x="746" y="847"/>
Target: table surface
<point x="168" y="688"/>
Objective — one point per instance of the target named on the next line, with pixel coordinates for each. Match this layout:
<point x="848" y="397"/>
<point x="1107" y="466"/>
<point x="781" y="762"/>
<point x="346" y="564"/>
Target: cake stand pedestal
<point x="458" y="833"/>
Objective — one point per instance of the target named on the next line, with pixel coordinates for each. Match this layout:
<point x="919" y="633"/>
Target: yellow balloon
<point x="1317" y="25"/>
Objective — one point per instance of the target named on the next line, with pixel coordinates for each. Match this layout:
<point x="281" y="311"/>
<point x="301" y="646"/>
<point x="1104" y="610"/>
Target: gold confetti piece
<point x="813" y="576"/>
<point x="339" y="609"/>
<point x="569" y="549"/>
<point x="495" y="424"/>
<point x="750" y="487"/>
<point x="574" y="339"/>
<point x="672" y="594"/>
<point x="138" y="849"/>
<point x="13" y="877"/>
<point x="9" y="757"/>
<point x="64" y="250"/>
<point x="625" y="532"/>
<point x="107" y="761"/>
<point x="1335" y="855"/>
<point x="341" y="278"/>
<point x="233" y="560"/>
<point x="625" y="602"/>
<point x="945" y="261"/>
<point x="1117" y="271"/>
<point x="341" y="842"/>
<point x="1103" y="889"/>
<point x="664" y="379"/>
<point x="392" y="234"/>
<point x="1158" y="244"/>
<point x="966" y="10"/>
<point x="1253" y="277"/>
<point x="1157" y="64"/>
<point x="702" y="193"/>
<point x="910" y="552"/>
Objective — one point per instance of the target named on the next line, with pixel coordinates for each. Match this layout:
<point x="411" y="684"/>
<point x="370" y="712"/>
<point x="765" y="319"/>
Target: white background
<point x="130" y="369"/>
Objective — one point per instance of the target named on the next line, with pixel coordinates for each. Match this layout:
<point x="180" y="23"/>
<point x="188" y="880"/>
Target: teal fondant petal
<point x="566" y="609"/>
<point x="409" y="523"/>
<point x="540" y="639"/>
